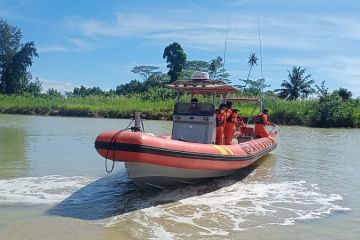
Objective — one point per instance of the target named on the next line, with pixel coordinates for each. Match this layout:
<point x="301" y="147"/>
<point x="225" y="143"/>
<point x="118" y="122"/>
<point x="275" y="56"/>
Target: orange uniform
<point x="230" y="127"/>
<point x="240" y="122"/>
<point x="220" y="126"/>
<point x="260" y="122"/>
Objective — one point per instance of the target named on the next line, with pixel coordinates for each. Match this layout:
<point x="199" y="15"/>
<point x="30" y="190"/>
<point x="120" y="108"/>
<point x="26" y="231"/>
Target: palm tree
<point x="299" y="85"/>
<point x="252" y="61"/>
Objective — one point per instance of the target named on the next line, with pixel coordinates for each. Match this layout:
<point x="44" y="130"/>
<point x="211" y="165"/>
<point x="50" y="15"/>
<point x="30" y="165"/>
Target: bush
<point x="158" y="94"/>
<point x="331" y="111"/>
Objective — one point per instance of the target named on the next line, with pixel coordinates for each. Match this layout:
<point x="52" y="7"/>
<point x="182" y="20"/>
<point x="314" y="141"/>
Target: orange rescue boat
<point x="189" y="154"/>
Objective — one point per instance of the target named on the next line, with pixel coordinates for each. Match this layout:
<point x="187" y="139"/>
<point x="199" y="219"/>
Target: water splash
<point x="40" y="190"/>
<point x="218" y="208"/>
<point x="239" y="207"/>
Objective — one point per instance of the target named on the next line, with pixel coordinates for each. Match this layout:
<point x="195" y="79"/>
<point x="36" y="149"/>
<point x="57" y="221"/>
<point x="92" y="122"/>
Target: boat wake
<point x="237" y="207"/>
<point x="40" y="190"/>
<point x="218" y="207"/>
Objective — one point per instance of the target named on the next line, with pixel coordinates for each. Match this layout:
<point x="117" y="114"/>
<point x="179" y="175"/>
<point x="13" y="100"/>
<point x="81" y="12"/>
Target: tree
<point x="145" y="71"/>
<point x="223" y="75"/>
<point x="322" y="90"/>
<point x="193" y="66"/>
<point x="253" y="87"/>
<point x="32" y="87"/>
<point x="214" y="67"/>
<point x="344" y="93"/>
<point x="156" y="81"/>
<point x="331" y="110"/>
<point x="134" y="86"/>
<point x="252" y="61"/>
<point x="15" y="58"/>
<point x="298" y="85"/>
<point x="176" y="59"/>
<point x="53" y="92"/>
<point x="217" y="71"/>
<point x="84" y="91"/>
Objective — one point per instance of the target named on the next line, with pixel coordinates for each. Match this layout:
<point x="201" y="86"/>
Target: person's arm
<point x="228" y="112"/>
<point x="265" y="120"/>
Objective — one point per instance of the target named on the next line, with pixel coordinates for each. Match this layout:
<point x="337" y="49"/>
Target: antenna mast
<point x="261" y="62"/>
<point x="226" y="39"/>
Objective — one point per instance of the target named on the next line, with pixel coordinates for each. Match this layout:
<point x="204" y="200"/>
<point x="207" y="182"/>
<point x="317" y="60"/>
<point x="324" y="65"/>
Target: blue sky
<point x="97" y="43"/>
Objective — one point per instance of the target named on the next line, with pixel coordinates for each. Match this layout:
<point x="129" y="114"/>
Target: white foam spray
<point x="238" y="207"/>
<point x="40" y="190"/>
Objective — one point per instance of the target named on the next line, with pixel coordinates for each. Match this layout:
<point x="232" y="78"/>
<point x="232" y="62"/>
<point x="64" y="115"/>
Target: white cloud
<point x="53" y="48"/>
<point x="71" y="45"/>
<point x="58" y="85"/>
<point x="305" y="32"/>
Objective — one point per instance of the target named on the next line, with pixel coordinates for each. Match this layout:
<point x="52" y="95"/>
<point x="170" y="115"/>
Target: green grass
<point x="280" y="111"/>
<point x="92" y="106"/>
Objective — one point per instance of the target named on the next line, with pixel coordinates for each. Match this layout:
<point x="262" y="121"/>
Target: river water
<point x="53" y="186"/>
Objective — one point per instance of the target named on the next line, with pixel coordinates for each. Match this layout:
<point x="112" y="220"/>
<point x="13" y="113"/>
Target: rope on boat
<point x="112" y="142"/>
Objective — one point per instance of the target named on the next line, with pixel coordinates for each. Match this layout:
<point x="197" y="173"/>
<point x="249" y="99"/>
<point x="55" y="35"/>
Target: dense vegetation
<point x="288" y="105"/>
<point x="329" y="111"/>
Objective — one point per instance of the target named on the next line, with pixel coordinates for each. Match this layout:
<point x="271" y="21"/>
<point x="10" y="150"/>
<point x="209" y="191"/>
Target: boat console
<point x="194" y="122"/>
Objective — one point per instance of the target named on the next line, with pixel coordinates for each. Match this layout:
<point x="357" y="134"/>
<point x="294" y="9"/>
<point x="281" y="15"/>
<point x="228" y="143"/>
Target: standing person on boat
<point x="240" y="122"/>
<point x="230" y="127"/>
<point x="228" y="111"/>
<point x="194" y="101"/>
<point x="220" y="123"/>
<point x="194" y="106"/>
<point x="260" y="122"/>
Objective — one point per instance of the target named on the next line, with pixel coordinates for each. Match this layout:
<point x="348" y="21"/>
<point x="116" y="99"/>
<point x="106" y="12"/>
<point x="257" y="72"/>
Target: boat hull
<point x="161" y="162"/>
<point x="148" y="176"/>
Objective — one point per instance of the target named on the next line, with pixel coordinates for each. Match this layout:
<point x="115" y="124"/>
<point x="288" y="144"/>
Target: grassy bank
<point x="281" y="111"/>
<point x="91" y="106"/>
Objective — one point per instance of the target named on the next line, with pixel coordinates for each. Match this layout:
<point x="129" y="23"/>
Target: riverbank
<point x="91" y="106"/>
<point x="302" y="113"/>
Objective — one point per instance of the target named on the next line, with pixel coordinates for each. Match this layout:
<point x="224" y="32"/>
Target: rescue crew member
<point x="230" y="127"/>
<point x="194" y="106"/>
<point x="240" y="122"/>
<point x="220" y="123"/>
<point x="228" y="111"/>
<point x="194" y="101"/>
<point x="260" y="122"/>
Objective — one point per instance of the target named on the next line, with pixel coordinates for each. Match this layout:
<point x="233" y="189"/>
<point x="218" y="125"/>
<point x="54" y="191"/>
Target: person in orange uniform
<point x="240" y="122"/>
<point x="229" y="109"/>
<point x="220" y="123"/>
<point x="260" y="122"/>
<point x="230" y="127"/>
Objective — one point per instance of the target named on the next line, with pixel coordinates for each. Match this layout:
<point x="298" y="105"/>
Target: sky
<point x="97" y="43"/>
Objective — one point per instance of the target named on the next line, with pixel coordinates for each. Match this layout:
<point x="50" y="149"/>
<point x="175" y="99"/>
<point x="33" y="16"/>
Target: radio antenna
<point x="226" y="39"/>
<point x="261" y="62"/>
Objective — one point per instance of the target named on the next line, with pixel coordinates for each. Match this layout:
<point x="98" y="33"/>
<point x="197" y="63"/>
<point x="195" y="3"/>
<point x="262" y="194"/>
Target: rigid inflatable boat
<point x="189" y="154"/>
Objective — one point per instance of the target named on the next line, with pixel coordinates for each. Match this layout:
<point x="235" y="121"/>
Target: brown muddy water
<point x="53" y="186"/>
